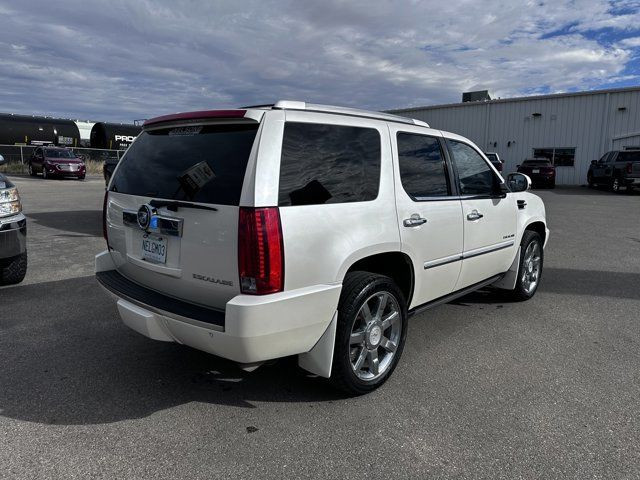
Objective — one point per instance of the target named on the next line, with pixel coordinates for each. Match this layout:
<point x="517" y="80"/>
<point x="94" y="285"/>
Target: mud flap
<point x="509" y="280"/>
<point x="319" y="359"/>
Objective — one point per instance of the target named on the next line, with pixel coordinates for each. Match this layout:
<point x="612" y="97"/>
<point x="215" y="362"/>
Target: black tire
<point x="520" y="292"/>
<point x="81" y="178"/>
<point x="44" y="173"/>
<point x="32" y="172"/>
<point x="356" y="289"/>
<point x="13" y="270"/>
<point x="616" y="185"/>
<point x="590" y="180"/>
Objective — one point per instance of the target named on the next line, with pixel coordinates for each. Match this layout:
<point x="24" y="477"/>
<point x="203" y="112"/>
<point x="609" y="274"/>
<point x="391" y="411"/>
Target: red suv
<point x="541" y="171"/>
<point x="56" y="162"/>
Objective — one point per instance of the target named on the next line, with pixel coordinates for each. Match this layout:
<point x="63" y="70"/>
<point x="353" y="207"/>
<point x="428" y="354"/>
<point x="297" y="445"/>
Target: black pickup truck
<point x="617" y="169"/>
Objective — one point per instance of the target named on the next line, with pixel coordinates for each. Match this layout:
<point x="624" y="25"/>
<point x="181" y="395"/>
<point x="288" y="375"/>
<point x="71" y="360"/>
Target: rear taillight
<point x="104" y="217"/>
<point x="260" y="251"/>
<point x="629" y="167"/>
<point x="549" y="170"/>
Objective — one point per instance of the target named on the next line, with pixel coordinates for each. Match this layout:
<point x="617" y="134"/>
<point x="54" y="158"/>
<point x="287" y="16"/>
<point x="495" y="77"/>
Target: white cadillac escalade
<point x="309" y="230"/>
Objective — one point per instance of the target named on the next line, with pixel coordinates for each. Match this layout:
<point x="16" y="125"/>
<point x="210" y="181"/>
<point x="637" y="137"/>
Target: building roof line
<point x="516" y="99"/>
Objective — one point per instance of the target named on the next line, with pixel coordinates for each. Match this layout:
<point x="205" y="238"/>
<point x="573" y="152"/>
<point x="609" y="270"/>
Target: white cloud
<point x="123" y="60"/>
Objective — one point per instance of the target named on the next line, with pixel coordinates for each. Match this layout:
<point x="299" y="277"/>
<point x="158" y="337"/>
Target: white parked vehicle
<point x="309" y="230"/>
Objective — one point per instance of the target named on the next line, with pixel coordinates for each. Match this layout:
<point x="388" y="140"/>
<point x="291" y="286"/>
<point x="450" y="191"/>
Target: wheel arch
<point x="539" y="227"/>
<point x="394" y="264"/>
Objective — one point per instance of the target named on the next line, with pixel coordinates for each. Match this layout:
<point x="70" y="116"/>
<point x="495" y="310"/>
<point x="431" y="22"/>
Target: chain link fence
<point x="18" y="157"/>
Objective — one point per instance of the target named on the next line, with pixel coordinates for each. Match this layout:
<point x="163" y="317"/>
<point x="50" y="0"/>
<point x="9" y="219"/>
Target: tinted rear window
<point x="423" y="171"/>
<point x="628" y="157"/>
<point x="328" y="164"/>
<point x="197" y="163"/>
<point x="537" y="163"/>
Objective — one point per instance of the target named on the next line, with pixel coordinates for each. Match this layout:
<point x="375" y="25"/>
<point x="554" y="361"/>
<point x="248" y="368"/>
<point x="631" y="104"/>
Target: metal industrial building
<point x="570" y="128"/>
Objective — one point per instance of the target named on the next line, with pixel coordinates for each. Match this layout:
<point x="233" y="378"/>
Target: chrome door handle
<point x="414" y="220"/>
<point x="475" y="215"/>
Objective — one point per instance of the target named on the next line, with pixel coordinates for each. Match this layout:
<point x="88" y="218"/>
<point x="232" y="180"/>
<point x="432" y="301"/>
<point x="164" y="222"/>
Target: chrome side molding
<point x="468" y="254"/>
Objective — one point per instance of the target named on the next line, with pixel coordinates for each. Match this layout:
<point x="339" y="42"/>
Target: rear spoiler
<point x="200" y="115"/>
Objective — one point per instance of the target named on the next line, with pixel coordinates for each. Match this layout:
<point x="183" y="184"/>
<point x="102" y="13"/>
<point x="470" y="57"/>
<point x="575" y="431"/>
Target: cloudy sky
<point x="125" y="60"/>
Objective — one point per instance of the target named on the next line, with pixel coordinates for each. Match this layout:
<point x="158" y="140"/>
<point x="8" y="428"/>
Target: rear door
<point x="189" y="249"/>
<point x="489" y="216"/>
<point x="37" y="158"/>
<point x="429" y="213"/>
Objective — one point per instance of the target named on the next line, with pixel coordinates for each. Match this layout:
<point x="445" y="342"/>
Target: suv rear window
<point x="328" y="164"/>
<point x="203" y="164"/>
<point x="628" y="157"/>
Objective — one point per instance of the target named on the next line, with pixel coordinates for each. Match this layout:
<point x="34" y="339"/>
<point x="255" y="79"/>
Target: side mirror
<point x="517" y="166"/>
<point x="518" y="182"/>
<point x="2" y="160"/>
<point x="593" y="162"/>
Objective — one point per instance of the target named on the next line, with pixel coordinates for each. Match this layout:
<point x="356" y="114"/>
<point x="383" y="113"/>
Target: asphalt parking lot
<point x="549" y="388"/>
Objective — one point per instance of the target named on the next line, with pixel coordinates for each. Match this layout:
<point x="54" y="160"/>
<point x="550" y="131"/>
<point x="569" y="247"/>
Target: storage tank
<point x="113" y="136"/>
<point x="32" y="130"/>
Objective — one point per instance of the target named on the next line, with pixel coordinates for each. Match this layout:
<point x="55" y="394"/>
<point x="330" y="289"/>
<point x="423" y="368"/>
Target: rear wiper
<point x="173" y="205"/>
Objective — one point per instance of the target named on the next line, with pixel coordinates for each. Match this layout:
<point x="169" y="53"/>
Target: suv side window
<point x="423" y="171"/>
<point x="475" y="177"/>
<point x="328" y="164"/>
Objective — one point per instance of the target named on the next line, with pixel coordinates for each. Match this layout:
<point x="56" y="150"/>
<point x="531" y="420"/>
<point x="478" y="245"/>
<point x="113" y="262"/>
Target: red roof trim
<point x="196" y="116"/>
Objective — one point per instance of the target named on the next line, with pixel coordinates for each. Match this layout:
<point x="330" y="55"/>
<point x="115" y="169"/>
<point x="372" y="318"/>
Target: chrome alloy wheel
<point x="375" y="336"/>
<point x="531" y="267"/>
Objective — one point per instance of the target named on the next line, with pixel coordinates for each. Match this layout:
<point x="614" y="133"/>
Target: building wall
<point x="590" y="122"/>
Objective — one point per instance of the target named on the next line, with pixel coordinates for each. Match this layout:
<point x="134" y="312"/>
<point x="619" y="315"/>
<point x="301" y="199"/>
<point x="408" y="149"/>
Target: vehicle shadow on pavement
<point x="591" y="282"/>
<point x="79" y="364"/>
<point x="570" y="282"/>
<point x="83" y="222"/>
<point x="585" y="191"/>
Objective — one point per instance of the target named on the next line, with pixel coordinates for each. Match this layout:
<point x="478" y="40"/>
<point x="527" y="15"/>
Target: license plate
<point x="154" y="249"/>
<point x="535" y="170"/>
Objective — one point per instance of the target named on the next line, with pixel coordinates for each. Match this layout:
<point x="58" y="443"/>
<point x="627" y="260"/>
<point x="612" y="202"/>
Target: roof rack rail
<point x="266" y="105"/>
<point x="354" y="112"/>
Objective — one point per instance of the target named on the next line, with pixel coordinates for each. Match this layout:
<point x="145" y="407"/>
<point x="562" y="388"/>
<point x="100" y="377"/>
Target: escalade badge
<point x="144" y="216"/>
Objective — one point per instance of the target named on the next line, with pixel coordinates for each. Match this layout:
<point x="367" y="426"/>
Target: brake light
<point x="104" y="217"/>
<point x="629" y="167"/>
<point x="260" y="251"/>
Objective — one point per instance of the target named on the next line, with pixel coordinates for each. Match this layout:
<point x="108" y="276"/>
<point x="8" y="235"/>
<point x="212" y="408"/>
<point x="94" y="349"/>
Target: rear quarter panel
<point x="321" y="242"/>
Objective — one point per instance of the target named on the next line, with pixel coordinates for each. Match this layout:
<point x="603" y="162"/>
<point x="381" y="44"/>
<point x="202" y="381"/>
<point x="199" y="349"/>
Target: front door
<point x="429" y="213"/>
<point x="489" y="216"/>
<point x="602" y="169"/>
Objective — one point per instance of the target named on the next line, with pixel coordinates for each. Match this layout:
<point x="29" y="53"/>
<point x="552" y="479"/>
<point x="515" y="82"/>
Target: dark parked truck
<point x="618" y="169"/>
<point x="13" y="233"/>
<point x="112" y="136"/>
